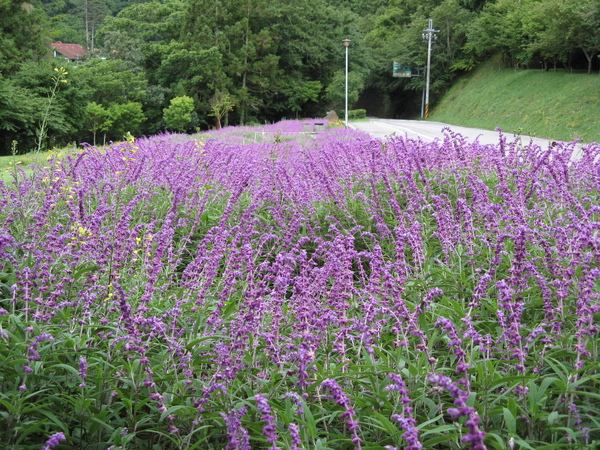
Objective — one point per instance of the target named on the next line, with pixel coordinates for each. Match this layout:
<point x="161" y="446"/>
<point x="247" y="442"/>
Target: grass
<point x="553" y="105"/>
<point x="8" y="164"/>
<point x="27" y="161"/>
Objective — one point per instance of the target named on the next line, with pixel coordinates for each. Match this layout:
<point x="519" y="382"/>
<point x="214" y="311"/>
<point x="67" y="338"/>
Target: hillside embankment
<point x="554" y="105"/>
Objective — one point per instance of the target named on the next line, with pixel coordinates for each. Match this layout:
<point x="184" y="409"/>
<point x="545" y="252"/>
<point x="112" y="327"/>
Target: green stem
<point x="42" y="131"/>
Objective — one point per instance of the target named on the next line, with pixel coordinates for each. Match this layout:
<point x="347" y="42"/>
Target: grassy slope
<point x="9" y="163"/>
<point x="553" y="105"/>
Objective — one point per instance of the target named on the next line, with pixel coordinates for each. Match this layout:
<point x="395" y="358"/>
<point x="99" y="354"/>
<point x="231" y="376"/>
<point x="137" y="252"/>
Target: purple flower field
<point x="260" y="288"/>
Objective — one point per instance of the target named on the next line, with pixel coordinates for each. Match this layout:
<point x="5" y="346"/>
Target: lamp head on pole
<point x="346" y="42"/>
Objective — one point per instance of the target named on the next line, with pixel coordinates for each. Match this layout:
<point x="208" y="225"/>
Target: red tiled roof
<point x="71" y="51"/>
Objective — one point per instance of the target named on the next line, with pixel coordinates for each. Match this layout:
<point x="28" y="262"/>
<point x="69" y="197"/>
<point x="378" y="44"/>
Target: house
<point x="72" y="52"/>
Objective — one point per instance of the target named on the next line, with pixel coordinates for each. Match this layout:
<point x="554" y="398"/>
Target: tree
<point x="585" y="30"/>
<point x="453" y="21"/>
<point x="63" y="120"/>
<point x="220" y="103"/>
<point x="544" y="25"/>
<point x="150" y="23"/>
<point x="336" y="91"/>
<point x="95" y="118"/>
<point x="18" y="114"/>
<point x="144" y="37"/>
<point x="122" y="46"/>
<point x="268" y="49"/>
<point x="179" y="113"/>
<point x="21" y="34"/>
<point x="499" y="28"/>
<point x="299" y="92"/>
<point x="123" y="118"/>
<point x="112" y="81"/>
<point x="93" y="13"/>
<point x="66" y="28"/>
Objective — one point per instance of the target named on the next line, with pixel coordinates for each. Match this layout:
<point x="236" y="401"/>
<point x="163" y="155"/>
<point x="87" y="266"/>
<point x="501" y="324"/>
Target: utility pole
<point x="346" y="44"/>
<point x="429" y="35"/>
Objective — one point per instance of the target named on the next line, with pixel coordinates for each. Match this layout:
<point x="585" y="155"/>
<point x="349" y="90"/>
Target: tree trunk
<point x="590" y="58"/>
<point x="246" y="42"/>
<point x="87" y="26"/>
<point x="216" y="31"/>
<point x="243" y="108"/>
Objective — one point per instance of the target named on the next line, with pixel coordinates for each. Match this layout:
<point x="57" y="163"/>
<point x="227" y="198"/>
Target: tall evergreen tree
<point x="21" y="34"/>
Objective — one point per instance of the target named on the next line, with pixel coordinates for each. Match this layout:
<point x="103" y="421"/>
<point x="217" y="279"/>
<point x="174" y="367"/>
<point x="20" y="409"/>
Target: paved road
<point x="429" y="131"/>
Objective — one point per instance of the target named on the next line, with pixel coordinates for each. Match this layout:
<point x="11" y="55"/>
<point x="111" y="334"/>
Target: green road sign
<point x="401" y="71"/>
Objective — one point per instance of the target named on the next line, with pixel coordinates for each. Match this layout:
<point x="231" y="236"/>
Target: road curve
<point x="430" y="131"/>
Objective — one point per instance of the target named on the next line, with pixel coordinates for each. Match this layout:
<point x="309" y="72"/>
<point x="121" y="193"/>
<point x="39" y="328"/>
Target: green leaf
<point x="439" y="429"/>
<point x="510" y="421"/>
<point x="570" y="431"/>
<point x="99" y="422"/>
<point x="173" y="409"/>
<point x="11" y="409"/>
<point x="26" y="431"/>
<point x="320" y="445"/>
<point x="584" y="393"/>
<point x="230" y="307"/>
<point x="201" y="441"/>
<point x="127" y="403"/>
<point x="85" y="269"/>
<point x="424" y="424"/>
<point x="430" y="443"/>
<point x="32" y="408"/>
<point x="68" y="368"/>
<point x="55" y="420"/>
<point x="512" y="406"/>
<point x="311" y="425"/>
<point x="386" y="424"/>
<point x="523" y="444"/>
<point x="499" y="442"/>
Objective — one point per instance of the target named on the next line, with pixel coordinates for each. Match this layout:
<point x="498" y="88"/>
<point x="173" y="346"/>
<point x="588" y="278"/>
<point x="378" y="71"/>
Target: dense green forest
<point x="183" y="65"/>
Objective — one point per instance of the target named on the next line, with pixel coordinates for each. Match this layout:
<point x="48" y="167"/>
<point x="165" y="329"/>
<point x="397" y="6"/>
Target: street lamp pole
<point x="429" y="34"/>
<point x="346" y="44"/>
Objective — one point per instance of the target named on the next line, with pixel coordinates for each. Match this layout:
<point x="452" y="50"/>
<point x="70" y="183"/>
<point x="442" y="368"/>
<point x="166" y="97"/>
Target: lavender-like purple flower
<point x="475" y="435"/>
<point x="295" y="435"/>
<point x="406" y="419"/>
<point x="269" y="430"/>
<point x="341" y="399"/>
<point x="237" y="434"/>
<point x="511" y="323"/>
<point x="83" y="367"/>
<point x="411" y="432"/>
<point x="54" y="440"/>
<point x="302" y="252"/>
<point x="455" y="343"/>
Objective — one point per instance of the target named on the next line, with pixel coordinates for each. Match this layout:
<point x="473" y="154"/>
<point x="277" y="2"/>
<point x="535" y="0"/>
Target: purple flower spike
<point x="295" y="434"/>
<point x="475" y="435"/>
<point x="83" y="369"/>
<point x="338" y="395"/>
<point x="270" y="427"/>
<point x="54" y="440"/>
<point x="239" y="438"/>
<point x="406" y="419"/>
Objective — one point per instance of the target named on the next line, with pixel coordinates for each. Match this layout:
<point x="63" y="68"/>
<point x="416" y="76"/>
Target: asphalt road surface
<point x="429" y="131"/>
